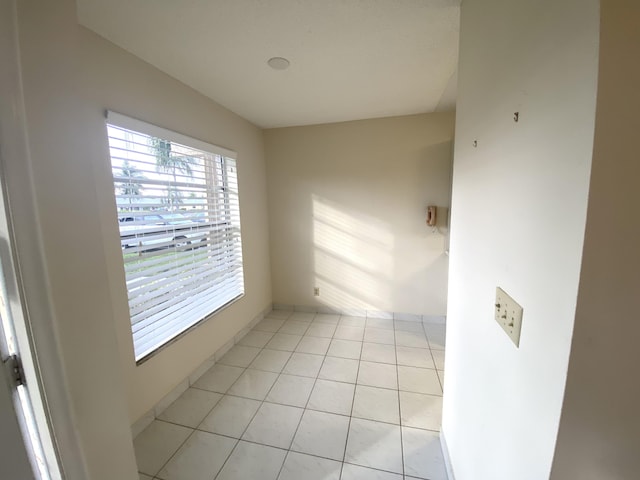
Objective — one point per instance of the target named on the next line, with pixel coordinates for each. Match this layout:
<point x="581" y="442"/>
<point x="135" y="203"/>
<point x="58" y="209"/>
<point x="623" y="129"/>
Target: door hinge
<point x="14" y="367"/>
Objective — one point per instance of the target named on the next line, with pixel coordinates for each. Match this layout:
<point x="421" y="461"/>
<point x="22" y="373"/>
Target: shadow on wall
<point x="372" y="249"/>
<point x="356" y="266"/>
<point x="348" y="216"/>
<point x="352" y="257"/>
<point x="422" y="266"/>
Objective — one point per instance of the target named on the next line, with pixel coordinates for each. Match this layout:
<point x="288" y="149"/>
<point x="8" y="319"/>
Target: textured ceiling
<point x="350" y="59"/>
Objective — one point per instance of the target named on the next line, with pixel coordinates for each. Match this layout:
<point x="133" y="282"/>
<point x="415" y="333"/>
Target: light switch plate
<point x="508" y="315"/>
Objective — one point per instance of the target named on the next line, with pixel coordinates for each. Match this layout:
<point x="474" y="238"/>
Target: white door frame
<point x="14" y="459"/>
<point x="29" y="298"/>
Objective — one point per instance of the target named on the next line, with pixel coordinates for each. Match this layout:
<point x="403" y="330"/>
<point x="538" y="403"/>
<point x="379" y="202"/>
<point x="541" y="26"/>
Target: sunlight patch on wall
<point x="352" y="257"/>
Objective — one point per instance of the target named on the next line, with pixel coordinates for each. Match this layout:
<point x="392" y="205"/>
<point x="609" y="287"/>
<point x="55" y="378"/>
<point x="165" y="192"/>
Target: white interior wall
<point x="502" y="405"/>
<point x="598" y="436"/>
<point x="63" y="180"/>
<point x="347" y="209"/>
<point x="121" y="82"/>
<point x="518" y="219"/>
<point x="70" y="77"/>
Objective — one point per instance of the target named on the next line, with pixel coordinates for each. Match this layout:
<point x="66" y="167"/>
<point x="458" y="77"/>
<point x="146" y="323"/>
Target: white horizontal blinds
<point x="179" y="220"/>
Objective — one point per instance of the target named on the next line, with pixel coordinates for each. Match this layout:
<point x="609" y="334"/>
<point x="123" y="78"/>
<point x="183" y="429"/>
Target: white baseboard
<point x="144" y="421"/>
<point x="278" y="306"/>
<point x="447" y="458"/>
<point x="355" y="312"/>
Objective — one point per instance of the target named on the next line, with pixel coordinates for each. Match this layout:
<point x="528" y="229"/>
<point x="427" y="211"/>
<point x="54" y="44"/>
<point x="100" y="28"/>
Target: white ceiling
<point x="350" y="59"/>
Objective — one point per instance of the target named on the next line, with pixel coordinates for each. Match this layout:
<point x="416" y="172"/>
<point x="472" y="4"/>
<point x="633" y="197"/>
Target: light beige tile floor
<point x="313" y="397"/>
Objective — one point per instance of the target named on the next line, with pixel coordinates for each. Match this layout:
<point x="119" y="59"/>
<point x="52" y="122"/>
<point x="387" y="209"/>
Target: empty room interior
<point x="330" y="240"/>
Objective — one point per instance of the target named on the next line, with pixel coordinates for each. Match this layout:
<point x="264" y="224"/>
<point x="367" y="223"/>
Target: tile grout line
<point x="353" y="400"/>
<point x="254" y="415"/>
<point x="193" y="429"/>
<point x="308" y="399"/>
<point x="307" y="408"/>
<point x="295" y="451"/>
<point x="306" y="404"/>
<point x="395" y="348"/>
<point x="433" y="359"/>
<point x="333" y="380"/>
<point x="282" y="448"/>
<point x="303" y="408"/>
<point x="316" y="378"/>
<point x="238" y="440"/>
<point x="153" y="411"/>
<point x="437" y="373"/>
<point x="287" y="450"/>
<point x="338" y="381"/>
<point x="438" y="376"/>
<point x="174" y="453"/>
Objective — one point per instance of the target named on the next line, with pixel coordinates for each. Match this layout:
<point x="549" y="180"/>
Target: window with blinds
<point x="179" y="219"/>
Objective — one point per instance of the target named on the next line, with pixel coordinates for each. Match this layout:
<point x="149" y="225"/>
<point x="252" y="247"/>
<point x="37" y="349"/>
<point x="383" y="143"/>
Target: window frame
<point x="137" y="126"/>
